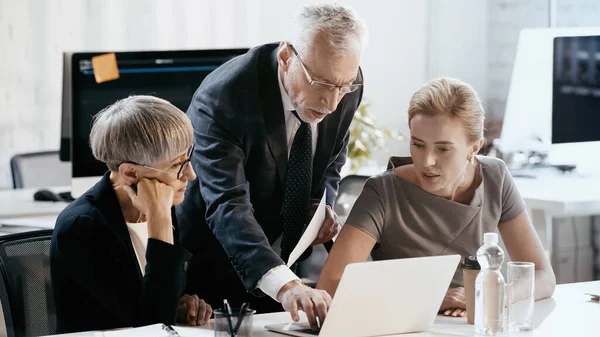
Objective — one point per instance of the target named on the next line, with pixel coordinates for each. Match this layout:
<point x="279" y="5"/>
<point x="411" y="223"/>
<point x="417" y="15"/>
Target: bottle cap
<point x="470" y="262"/>
<point x="490" y="238"/>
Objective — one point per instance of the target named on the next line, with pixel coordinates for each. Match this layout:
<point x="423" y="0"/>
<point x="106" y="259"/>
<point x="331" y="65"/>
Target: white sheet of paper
<point x="311" y="232"/>
<point x="156" y="330"/>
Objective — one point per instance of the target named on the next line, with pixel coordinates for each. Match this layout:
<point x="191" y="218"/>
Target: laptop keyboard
<point x="309" y="331"/>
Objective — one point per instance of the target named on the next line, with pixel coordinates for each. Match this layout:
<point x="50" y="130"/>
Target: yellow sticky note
<point x="105" y="67"/>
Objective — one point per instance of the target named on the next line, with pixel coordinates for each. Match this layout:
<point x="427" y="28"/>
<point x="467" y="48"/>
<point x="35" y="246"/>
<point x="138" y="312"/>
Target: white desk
<point x="568" y="313"/>
<point x="562" y="195"/>
<point x="553" y="196"/>
<point x="18" y="208"/>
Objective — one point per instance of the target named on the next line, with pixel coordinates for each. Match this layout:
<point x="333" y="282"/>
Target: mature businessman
<point x="271" y="135"/>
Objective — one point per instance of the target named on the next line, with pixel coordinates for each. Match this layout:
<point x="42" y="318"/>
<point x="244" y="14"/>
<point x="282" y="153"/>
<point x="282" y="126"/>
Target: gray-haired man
<point x="271" y="133"/>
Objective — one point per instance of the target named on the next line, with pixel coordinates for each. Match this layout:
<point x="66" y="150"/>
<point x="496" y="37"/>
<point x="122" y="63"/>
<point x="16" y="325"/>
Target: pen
<point x="242" y="314"/>
<point x="228" y="314"/>
<point x="169" y="329"/>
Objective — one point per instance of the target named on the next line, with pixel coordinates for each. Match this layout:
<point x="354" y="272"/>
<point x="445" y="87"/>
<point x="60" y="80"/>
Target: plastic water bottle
<point x="489" y="288"/>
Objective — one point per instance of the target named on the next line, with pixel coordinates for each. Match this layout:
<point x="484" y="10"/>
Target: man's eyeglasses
<point x="324" y="86"/>
<point x="181" y="170"/>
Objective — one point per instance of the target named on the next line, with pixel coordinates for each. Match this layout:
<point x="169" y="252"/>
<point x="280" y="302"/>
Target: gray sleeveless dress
<point x="408" y="222"/>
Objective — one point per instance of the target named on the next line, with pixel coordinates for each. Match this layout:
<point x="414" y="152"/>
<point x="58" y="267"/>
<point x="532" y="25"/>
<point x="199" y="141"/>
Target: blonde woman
<point x="116" y="260"/>
<point x="440" y="200"/>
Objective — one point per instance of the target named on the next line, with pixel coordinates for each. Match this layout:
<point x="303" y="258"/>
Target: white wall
<point x="506" y="18"/>
<point x="395" y="62"/>
<point x="410" y="42"/>
<point x="458" y="41"/>
<point x="34" y="33"/>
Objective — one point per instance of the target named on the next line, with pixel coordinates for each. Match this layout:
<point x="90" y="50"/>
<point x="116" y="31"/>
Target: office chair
<point x="350" y="188"/>
<point x="25" y="284"/>
<point x="39" y="170"/>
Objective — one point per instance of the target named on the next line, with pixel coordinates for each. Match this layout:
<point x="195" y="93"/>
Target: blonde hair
<point x="453" y="98"/>
<point x="140" y="129"/>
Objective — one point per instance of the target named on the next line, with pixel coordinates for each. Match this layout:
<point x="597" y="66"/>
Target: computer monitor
<point x="172" y="75"/>
<point x="529" y="105"/>
<point x="576" y="89"/>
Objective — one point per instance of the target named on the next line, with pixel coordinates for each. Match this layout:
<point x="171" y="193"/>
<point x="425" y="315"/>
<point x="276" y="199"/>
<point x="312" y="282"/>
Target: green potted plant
<point x="366" y="138"/>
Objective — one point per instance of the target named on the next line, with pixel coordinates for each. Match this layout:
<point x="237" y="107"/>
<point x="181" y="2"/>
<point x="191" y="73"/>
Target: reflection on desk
<point x="33" y="222"/>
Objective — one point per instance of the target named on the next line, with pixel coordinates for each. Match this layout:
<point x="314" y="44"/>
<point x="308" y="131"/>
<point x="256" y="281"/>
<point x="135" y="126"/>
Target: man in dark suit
<point x="271" y="132"/>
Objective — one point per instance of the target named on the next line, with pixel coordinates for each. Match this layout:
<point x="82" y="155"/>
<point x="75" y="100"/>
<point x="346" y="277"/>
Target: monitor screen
<point x="65" y="123"/>
<point x="171" y="75"/>
<point x="576" y="89"/>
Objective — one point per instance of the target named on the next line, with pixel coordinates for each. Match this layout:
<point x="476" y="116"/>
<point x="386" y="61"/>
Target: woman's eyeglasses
<point x="182" y="168"/>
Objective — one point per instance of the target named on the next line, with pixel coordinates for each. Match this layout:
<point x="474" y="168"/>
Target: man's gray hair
<point x="342" y="25"/>
<point x="140" y="129"/>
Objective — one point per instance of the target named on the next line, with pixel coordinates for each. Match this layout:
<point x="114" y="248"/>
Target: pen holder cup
<point x="238" y="324"/>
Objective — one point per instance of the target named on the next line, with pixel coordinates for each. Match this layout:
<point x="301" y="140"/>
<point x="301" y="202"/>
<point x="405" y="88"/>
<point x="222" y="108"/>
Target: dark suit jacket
<point x="231" y="214"/>
<point x="96" y="276"/>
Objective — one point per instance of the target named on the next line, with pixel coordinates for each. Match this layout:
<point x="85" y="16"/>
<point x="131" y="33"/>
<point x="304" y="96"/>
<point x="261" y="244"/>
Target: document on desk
<point x="157" y="330"/>
<point x="311" y="232"/>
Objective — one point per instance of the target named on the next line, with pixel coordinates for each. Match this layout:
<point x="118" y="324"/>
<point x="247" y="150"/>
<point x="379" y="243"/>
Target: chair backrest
<point x="350" y="188"/>
<point x="39" y="169"/>
<point x="25" y="284"/>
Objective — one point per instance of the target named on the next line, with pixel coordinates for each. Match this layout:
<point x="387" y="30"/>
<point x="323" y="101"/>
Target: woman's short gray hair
<point x="343" y="26"/>
<point x="140" y="129"/>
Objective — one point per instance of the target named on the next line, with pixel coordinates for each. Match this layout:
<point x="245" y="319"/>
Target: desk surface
<point x="568" y="313"/>
<point x="562" y="195"/>
<point x="19" y="203"/>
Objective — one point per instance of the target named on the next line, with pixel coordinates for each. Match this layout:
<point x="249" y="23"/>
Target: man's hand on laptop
<point x="454" y="303"/>
<point x="296" y="296"/>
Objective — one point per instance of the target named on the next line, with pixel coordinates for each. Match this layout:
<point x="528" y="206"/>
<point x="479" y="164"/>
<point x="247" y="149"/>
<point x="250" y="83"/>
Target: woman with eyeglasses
<point x="116" y="260"/>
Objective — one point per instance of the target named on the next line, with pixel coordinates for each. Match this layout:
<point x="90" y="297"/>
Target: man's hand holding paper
<point x="323" y="227"/>
<point x="330" y="227"/>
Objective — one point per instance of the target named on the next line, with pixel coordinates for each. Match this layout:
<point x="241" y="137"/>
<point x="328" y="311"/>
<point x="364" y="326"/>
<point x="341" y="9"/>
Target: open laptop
<point x="383" y="298"/>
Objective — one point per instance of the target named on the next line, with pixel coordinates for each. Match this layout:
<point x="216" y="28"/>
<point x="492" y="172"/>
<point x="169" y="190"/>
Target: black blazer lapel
<point x="273" y="115"/>
<point x="107" y="203"/>
<point x="329" y="132"/>
<point x="175" y="226"/>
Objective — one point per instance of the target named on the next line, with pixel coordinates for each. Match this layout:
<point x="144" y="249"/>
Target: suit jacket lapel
<point x="328" y="129"/>
<point x="273" y="116"/>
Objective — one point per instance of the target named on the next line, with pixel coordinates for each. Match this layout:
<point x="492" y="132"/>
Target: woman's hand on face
<point x="154" y="201"/>
<point x="454" y="303"/>
<point x="152" y="196"/>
